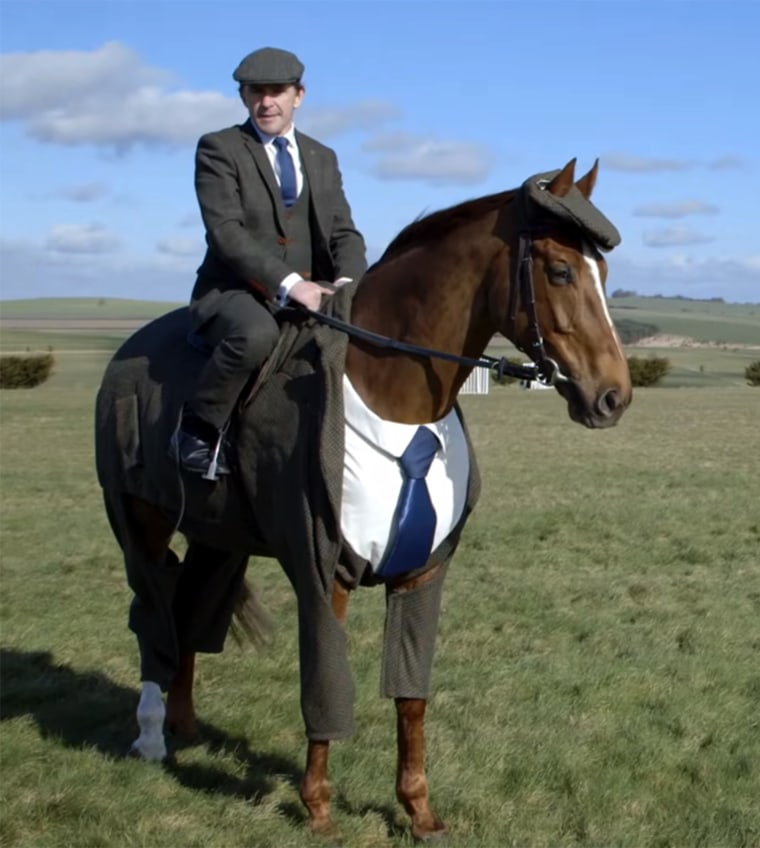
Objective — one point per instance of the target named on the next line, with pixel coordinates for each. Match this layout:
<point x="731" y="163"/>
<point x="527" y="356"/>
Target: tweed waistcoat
<point x="298" y="254"/>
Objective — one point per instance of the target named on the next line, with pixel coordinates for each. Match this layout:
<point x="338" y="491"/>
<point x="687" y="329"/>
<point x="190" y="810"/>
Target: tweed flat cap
<point x="269" y="66"/>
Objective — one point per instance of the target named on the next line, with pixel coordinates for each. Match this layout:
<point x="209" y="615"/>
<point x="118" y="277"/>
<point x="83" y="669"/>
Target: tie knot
<point x="280" y="142"/>
<point x="417" y="458"/>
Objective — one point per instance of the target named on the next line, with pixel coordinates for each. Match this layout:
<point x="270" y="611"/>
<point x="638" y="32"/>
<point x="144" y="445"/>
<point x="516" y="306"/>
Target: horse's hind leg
<point x="315" y="786"/>
<point x="144" y="533"/>
<point x="209" y="586"/>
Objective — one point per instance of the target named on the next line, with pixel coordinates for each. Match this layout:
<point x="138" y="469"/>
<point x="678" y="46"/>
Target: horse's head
<point x="557" y="311"/>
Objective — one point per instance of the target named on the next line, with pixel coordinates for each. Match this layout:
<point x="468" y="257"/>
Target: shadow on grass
<point x="87" y="710"/>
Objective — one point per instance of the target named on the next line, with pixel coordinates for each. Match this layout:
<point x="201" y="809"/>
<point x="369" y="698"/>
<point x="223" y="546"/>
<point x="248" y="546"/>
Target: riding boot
<point x="202" y="448"/>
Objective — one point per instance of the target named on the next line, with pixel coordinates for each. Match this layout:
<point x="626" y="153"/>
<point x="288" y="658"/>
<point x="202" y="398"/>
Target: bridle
<point x="543" y="369"/>
<point x="548" y="371"/>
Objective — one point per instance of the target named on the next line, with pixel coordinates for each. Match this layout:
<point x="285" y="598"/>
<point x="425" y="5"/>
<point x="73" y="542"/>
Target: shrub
<point x="631" y="331"/>
<point x="649" y="371"/>
<point x="752" y="373"/>
<point x="25" y="372"/>
<point x="506" y="379"/>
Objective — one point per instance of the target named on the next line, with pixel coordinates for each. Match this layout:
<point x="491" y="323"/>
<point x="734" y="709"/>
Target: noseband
<point x="543" y="369"/>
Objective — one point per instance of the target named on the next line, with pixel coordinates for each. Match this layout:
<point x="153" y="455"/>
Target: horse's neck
<point x="431" y="297"/>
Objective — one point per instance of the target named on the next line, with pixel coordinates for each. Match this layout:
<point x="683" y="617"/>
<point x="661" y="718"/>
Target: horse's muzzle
<point x="595" y="410"/>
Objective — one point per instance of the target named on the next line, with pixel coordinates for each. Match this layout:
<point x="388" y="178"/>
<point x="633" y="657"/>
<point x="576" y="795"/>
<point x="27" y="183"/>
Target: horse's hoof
<point x="327" y="833"/>
<point x="438" y="834"/>
<point x="134" y="753"/>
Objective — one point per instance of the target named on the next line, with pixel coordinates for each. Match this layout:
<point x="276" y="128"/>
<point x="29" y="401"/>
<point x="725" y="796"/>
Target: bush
<point x="631" y="331"/>
<point x="752" y="373"/>
<point x="25" y="372"/>
<point x="649" y="371"/>
<point x="506" y="379"/>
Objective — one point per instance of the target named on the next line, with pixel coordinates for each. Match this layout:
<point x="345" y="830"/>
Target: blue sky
<point x="426" y="103"/>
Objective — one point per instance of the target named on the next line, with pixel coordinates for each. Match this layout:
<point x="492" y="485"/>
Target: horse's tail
<point x="251" y="622"/>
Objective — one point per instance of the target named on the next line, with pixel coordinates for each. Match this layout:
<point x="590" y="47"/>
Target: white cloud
<point x="641" y="164"/>
<point x="31" y="270"/>
<point x="83" y="193"/>
<point x="324" y="122"/>
<point x="727" y="162"/>
<point x="106" y="97"/>
<point x="674" y="236"/>
<point x="110" y="98"/>
<point x="190" y="219"/>
<point x="181" y="246"/>
<point x="402" y="156"/>
<point x="734" y="279"/>
<point x="82" y="238"/>
<point x="45" y="81"/>
<point x="679" y="209"/>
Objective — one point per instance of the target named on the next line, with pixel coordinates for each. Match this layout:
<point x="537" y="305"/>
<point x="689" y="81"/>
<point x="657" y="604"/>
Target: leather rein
<point x="543" y="369"/>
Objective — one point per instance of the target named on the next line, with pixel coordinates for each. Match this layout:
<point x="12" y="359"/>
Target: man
<point x="277" y="220"/>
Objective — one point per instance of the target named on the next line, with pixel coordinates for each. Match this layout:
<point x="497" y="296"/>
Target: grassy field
<point x="702" y="320"/>
<point x="597" y="680"/>
<point x="108" y="308"/>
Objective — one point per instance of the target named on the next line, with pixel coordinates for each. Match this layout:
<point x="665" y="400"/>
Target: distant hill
<point x="703" y="321"/>
<point x="83" y="308"/>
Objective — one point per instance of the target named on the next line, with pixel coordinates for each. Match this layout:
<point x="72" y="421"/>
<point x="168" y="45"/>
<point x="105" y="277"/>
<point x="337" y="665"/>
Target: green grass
<point x="108" y="308"/>
<point x="597" y="679"/>
<point x="705" y="321"/>
<point x="62" y="341"/>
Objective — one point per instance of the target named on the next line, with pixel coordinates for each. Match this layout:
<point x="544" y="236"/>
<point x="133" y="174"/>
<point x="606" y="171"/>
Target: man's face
<point x="271" y="107"/>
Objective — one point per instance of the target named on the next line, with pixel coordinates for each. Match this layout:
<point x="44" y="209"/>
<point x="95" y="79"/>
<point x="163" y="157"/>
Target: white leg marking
<point x="151" y="712"/>
<point x="588" y="255"/>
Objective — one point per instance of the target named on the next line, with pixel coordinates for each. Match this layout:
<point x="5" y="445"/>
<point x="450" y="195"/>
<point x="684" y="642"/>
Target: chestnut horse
<point x="525" y="263"/>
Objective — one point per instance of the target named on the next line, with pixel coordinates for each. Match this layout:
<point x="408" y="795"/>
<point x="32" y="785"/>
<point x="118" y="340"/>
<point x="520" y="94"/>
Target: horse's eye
<point x="560" y="274"/>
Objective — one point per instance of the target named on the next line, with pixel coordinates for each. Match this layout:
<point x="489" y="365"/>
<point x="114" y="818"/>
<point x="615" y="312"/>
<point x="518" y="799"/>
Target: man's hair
<point x="243" y="85"/>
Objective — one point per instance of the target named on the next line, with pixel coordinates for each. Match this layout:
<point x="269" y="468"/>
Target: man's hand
<point x="308" y="294"/>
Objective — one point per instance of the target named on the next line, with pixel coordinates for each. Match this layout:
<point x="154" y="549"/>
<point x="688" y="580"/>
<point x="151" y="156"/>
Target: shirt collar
<point x="268" y="139"/>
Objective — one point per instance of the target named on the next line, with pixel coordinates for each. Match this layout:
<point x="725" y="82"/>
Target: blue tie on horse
<point x="288" y="184"/>
<point x="413" y="528"/>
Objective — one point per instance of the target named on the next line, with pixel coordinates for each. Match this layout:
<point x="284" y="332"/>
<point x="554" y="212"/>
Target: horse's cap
<point x="574" y="208"/>
<point x="269" y="66"/>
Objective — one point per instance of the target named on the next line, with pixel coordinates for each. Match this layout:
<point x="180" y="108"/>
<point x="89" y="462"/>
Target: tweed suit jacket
<point x="246" y="219"/>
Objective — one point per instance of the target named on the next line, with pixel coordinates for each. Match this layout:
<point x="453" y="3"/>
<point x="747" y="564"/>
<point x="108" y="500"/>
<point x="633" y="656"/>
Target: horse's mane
<point x="430" y="227"/>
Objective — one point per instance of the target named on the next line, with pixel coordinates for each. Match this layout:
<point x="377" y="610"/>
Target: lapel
<point x="314" y="173"/>
<point x="256" y="148"/>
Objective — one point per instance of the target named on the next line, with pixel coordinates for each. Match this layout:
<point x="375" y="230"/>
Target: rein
<point x="543" y="369"/>
<point x="501" y="367"/>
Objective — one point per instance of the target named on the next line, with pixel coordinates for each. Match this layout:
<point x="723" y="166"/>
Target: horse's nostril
<point x="608" y="402"/>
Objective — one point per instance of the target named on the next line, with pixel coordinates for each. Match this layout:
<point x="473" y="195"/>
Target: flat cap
<point x="269" y="66"/>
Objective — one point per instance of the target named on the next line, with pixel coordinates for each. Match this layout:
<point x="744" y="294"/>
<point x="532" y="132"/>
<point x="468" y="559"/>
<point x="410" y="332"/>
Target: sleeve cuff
<point x="285" y="286"/>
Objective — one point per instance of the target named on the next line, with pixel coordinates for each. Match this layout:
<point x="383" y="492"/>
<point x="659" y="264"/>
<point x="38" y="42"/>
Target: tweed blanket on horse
<point x="285" y="499"/>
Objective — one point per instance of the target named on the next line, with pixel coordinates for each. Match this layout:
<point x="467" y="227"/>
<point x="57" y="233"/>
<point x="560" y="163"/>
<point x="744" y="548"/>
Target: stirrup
<point x="211" y="473"/>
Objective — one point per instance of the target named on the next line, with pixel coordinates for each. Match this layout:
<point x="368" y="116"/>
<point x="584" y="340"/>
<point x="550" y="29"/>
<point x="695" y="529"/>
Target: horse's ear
<point x="563" y="182"/>
<point x="586" y="183"/>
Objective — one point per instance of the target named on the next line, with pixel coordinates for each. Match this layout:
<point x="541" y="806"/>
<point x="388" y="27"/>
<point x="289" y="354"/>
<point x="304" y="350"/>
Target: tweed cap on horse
<point x="572" y="207"/>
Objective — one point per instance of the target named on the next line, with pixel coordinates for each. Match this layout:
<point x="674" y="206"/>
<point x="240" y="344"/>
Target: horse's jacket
<point x="284" y="502"/>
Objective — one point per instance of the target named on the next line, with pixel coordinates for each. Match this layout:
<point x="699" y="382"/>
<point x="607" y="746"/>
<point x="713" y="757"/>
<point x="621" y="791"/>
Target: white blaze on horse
<point x="355" y="407"/>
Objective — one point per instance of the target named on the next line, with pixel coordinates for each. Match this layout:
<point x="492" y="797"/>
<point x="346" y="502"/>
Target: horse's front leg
<point x="315" y="786"/>
<point x="411" y="780"/>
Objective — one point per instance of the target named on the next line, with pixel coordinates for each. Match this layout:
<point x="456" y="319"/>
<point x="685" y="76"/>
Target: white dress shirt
<point x="268" y="143"/>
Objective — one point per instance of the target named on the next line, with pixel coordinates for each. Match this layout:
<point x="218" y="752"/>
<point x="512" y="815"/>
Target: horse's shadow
<point x="87" y="710"/>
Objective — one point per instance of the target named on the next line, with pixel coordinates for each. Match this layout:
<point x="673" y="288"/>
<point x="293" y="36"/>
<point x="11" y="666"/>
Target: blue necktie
<point x="413" y="527"/>
<point x="288" y="184"/>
